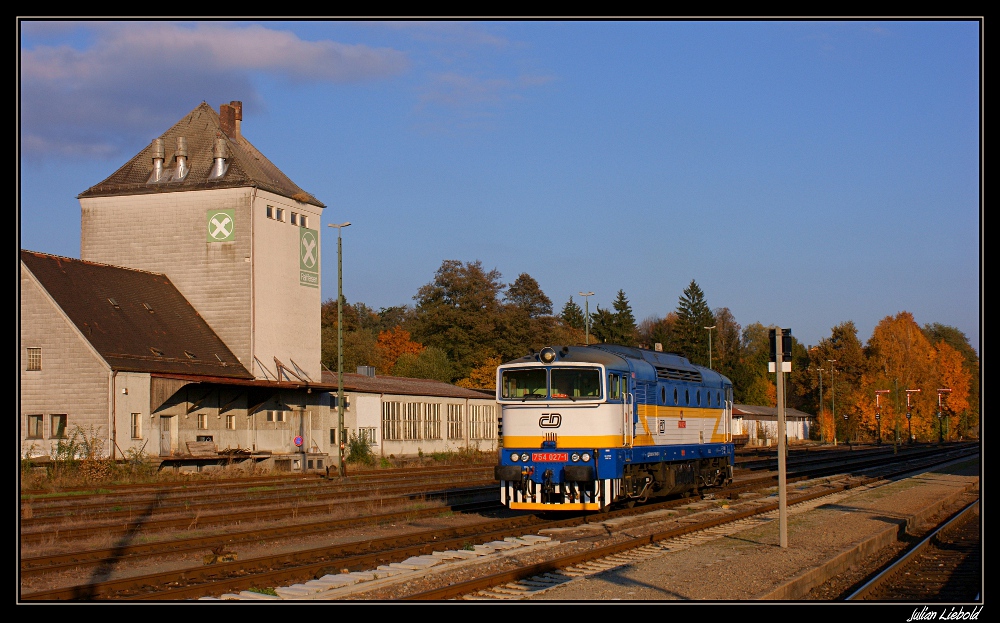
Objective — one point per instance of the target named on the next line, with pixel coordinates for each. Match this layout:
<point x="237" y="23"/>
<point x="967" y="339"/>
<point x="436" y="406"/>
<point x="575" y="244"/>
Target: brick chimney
<point x="230" y="116"/>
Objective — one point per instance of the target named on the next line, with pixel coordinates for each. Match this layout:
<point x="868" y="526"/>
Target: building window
<point x="202" y="421"/>
<point x="303" y="220"/>
<point x="34" y="427"/>
<point x="279" y="214"/>
<point x="432" y="421"/>
<point x="136" y="426"/>
<point x="295" y="218"/>
<point x="34" y="359"/>
<point x="270" y="212"/>
<point x="231" y="422"/>
<point x="391" y="429"/>
<point x="411" y="420"/>
<point x="58" y="426"/>
<point x="275" y="416"/>
<point x="367" y="435"/>
<point x="455" y="422"/>
<point x="333" y="436"/>
<point x="482" y="422"/>
<point x="335" y="402"/>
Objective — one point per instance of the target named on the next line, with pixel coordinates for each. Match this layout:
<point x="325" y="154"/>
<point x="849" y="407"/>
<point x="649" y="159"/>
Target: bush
<point x="360" y="452"/>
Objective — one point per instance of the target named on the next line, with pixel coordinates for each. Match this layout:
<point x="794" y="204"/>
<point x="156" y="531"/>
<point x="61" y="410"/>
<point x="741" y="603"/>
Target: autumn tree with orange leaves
<point x="391" y="345"/>
<point x="900" y="357"/>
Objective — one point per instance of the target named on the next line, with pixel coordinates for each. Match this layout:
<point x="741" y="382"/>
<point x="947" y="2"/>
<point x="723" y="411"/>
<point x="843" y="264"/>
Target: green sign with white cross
<point x="308" y="257"/>
<point x="221" y="225"/>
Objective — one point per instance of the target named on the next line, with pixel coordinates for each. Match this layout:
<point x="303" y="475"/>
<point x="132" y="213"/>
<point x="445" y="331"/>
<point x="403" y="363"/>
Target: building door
<point x="166" y="423"/>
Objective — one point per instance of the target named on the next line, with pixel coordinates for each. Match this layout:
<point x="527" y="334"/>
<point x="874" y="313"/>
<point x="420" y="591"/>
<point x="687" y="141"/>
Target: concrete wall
<point x="366" y="411"/>
<point x="286" y="312"/>
<point x="207" y="411"/>
<point x="768" y="429"/>
<point x="131" y="392"/>
<point x="73" y="380"/>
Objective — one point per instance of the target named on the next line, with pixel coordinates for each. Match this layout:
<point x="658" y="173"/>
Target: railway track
<point x="945" y="566"/>
<point x="275" y="571"/>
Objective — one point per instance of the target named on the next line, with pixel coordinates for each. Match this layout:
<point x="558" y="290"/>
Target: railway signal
<point x="940" y="392"/>
<point x="909" y="428"/>
<point x="878" y="413"/>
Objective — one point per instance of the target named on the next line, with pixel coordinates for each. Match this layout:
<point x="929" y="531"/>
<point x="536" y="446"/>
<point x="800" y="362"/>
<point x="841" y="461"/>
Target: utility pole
<point x="710" y="345"/>
<point x="340" y="349"/>
<point x="833" y="395"/>
<point x="781" y="347"/>
<point x="586" y="315"/>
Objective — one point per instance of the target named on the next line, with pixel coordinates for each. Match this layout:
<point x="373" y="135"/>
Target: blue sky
<point x="803" y="173"/>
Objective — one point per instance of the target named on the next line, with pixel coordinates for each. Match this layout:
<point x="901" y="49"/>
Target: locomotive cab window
<point x="576" y="383"/>
<point x="523" y="383"/>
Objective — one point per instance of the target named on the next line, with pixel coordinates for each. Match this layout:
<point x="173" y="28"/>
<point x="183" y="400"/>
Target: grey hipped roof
<point x="200" y="128"/>
<point x="136" y="320"/>
<point x="755" y="412"/>
<point x="405" y="386"/>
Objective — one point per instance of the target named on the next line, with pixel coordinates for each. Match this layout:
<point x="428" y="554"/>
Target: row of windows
<point x="405" y="421"/>
<point x="278" y="214"/>
<point x="36" y="426"/>
<point x="687" y="397"/>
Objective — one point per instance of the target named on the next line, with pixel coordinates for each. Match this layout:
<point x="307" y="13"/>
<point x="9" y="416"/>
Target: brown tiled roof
<point x="136" y="320"/>
<point x="247" y="166"/>
<point x="403" y="386"/>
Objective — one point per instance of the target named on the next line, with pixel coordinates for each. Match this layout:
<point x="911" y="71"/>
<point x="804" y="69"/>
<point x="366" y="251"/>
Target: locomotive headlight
<point x="548" y="354"/>
<point x="515" y="457"/>
<point x="586" y="457"/>
<point x="574" y="457"/>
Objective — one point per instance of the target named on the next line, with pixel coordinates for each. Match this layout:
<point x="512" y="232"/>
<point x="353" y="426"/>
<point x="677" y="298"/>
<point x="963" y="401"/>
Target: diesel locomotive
<point x="586" y="427"/>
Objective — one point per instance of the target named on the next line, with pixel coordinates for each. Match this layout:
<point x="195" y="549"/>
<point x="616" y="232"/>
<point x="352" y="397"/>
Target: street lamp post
<point x="833" y="397"/>
<point x="878" y="413"/>
<point x="822" y="429"/>
<point x="940" y="393"/>
<point x="909" y="427"/>
<point x="586" y="315"/>
<point x="710" y="345"/>
<point x="340" y="347"/>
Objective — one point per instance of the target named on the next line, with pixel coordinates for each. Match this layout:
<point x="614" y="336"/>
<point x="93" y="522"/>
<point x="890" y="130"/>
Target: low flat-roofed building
<point x="760" y="424"/>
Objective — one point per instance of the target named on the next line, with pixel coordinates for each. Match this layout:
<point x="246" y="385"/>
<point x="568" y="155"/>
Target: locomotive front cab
<point x="563" y="418"/>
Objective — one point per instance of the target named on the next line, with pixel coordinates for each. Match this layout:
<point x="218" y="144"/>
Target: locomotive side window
<point x="698" y="397"/>
<point x="576" y="383"/>
<point x="614" y="387"/>
<point x="675" y="395"/>
<point x="663" y="395"/>
<point x="687" y="397"/>
<point x="523" y="383"/>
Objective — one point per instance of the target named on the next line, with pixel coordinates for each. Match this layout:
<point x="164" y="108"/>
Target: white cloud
<point x="132" y="79"/>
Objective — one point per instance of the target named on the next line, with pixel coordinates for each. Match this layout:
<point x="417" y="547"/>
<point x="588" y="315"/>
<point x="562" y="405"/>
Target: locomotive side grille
<point x="677" y="374"/>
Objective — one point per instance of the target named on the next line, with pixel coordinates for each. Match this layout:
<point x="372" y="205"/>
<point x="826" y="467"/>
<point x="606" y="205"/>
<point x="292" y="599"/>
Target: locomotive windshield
<point x="574" y="383"/>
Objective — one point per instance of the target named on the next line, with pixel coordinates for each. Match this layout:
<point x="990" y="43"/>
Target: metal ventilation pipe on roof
<point x="157" y="160"/>
<point x="181" y="155"/>
<point x="220" y="153"/>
